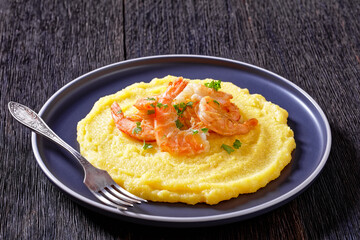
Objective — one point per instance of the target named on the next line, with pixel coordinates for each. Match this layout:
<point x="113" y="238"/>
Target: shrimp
<point x="170" y="138"/>
<point x="219" y="119"/>
<point x="138" y="126"/>
<point x="146" y="104"/>
<point x="190" y="115"/>
<point x="195" y="91"/>
<point x="141" y="124"/>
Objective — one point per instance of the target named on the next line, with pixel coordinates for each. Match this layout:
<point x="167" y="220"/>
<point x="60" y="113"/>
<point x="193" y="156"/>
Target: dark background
<point x="314" y="44"/>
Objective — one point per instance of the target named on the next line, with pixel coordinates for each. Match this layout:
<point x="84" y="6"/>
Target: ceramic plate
<point x="73" y="101"/>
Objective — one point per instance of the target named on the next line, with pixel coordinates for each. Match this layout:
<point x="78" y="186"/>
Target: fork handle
<point x="30" y="119"/>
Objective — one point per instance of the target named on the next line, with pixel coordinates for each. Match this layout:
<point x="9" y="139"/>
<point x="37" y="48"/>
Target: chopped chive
<point x="181" y="107"/>
<point x="119" y="112"/>
<point x="194" y="131"/>
<point x="216" y="85"/>
<point x="150" y="99"/>
<point x="137" y="129"/>
<point x="205" y="130"/>
<point x="179" y="124"/>
<point x="149" y="112"/>
<point x="216" y="102"/>
<point x="147" y="146"/>
<point x="227" y="148"/>
<point x="237" y="144"/>
<point x="160" y="105"/>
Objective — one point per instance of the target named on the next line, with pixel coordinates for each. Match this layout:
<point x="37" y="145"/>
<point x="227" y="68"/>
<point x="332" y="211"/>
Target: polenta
<point x="208" y="177"/>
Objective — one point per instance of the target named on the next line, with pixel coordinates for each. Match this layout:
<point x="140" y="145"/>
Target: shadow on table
<point x="324" y="208"/>
<point x="334" y="197"/>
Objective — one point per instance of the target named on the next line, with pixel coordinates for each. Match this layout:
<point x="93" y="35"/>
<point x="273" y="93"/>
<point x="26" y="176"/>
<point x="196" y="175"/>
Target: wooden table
<point x="314" y="44"/>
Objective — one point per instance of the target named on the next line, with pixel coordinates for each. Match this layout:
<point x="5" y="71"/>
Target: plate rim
<point x="200" y="219"/>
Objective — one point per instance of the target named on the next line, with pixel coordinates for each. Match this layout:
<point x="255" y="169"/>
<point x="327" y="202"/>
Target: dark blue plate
<point x="72" y="102"/>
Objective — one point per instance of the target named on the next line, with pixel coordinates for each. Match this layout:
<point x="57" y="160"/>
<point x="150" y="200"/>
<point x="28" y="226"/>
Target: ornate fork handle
<point x="29" y="118"/>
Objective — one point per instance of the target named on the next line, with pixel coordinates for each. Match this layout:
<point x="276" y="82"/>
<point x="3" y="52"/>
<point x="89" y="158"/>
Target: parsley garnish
<point x="181" y="107"/>
<point x="179" y="124"/>
<point x="149" y="112"/>
<point x="150" y="99"/>
<point x="227" y="148"/>
<point x="119" y="112"/>
<point x="216" y="102"/>
<point x="237" y="144"/>
<point x="137" y="129"/>
<point x="194" y="131"/>
<point x="205" y="130"/>
<point x="189" y="104"/>
<point x="216" y="85"/>
<point x="160" y="105"/>
<point x="147" y="146"/>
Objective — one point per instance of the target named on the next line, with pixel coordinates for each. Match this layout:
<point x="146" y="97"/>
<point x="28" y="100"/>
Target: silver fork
<point x="98" y="181"/>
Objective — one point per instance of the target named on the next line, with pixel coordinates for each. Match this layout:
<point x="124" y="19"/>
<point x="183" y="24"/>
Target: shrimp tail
<point x="140" y="130"/>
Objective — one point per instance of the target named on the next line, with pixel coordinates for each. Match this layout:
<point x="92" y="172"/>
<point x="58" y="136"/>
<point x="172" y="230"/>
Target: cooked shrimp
<point x="195" y="91"/>
<point x="138" y="126"/>
<point x="141" y="124"/>
<point x="232" y="111"/>
<point x="146" y="104"/>
<point x="170" y="138"/>
<point x="190" y="117"/>
<point x="219" y="119"/>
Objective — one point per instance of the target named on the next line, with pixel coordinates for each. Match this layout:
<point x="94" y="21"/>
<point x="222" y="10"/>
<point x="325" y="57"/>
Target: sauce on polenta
<point x="256" y="158"/>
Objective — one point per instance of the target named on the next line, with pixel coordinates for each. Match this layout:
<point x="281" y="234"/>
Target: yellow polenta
<point x="208" y="177"/>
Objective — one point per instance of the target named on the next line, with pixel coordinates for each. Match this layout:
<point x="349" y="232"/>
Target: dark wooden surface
<point x="314" y="44"/>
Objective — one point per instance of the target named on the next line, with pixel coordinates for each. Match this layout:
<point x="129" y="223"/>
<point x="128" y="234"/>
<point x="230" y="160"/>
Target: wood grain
<point x="314" y="44"/>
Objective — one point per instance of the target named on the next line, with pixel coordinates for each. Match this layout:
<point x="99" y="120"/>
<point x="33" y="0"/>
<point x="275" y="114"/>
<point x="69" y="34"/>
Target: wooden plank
<point x="46" y="44"/>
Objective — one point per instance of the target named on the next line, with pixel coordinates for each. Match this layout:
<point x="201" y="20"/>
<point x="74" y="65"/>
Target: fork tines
<point x="117" y="197"/>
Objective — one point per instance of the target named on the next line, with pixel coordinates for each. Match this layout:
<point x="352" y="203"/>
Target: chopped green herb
<point x="150" y="99"/>
<point x="153" y="105"/>
<point x="176" y="106"/>
<point x="137" y="129"/>
<point x="181" y="107"/>
<point x="149" y="112"/>
<point x="216" y="102"/>
<point x="216" y="85"/>
<point x="147" y="146"/>
<point x="119" y="112"/>
<point x="194" y="131"/>
<point x="160" y="105"/>
<point x="179" y="124"/>
<point x="205" y="130"/>
<point x="227" y="148"/>
<point x="237" y="144"/>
